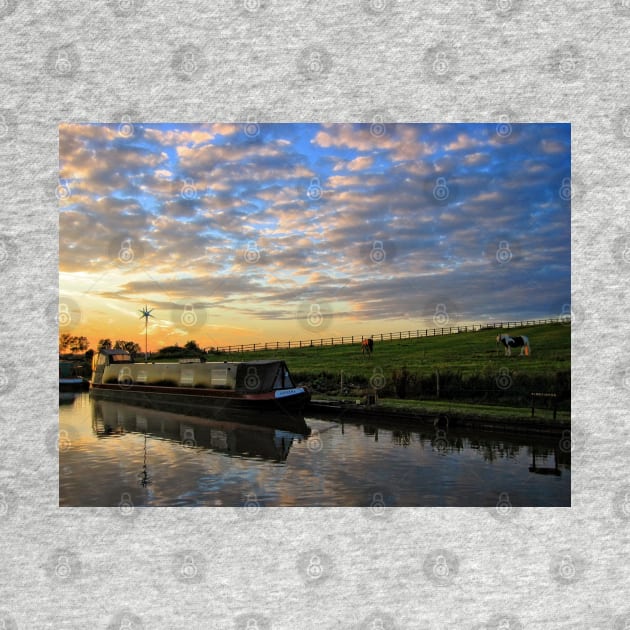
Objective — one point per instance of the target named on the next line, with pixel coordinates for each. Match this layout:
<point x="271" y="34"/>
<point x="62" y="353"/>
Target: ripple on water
<point x="196" y="462"/>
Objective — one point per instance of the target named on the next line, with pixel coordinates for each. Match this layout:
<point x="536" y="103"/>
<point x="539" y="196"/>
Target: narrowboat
<point x="69" y="379"/>
<point x="191" y="386"/>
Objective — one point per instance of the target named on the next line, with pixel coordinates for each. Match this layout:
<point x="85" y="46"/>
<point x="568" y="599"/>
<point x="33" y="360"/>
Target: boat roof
<point x="254" y="362"/>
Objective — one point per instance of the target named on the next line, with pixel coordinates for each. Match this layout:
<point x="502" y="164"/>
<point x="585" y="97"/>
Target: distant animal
<point x="521" y="342"/>
<point x="367" y="346"/>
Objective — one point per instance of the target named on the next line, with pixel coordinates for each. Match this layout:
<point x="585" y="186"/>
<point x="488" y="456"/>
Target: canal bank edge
<point x="440" y="418"/>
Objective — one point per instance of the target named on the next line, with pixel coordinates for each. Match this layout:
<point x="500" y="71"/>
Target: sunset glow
<point x="241" y="233"/>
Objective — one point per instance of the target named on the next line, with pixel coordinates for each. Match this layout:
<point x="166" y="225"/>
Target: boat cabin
<point x="116" y="367"/>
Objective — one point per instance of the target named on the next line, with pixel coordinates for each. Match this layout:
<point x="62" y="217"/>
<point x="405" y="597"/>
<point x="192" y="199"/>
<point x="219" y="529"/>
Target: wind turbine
<point x="146" y="313"/>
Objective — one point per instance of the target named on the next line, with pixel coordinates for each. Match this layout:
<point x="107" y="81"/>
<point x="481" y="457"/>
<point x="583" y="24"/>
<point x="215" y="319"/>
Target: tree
<point x="192" y="346"/>
<point x="73" y="343"/>
<point x="79" y="344"/>
<point x="104" y="344"/>
<point x="64" y="341"/>
<point x="130" y="346"/>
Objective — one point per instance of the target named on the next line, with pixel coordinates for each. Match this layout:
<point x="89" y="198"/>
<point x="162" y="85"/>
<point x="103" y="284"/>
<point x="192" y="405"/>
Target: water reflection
<point x="490" y="446"/>
<point x="545" y="470"/>
<point x="118" y="452"/>
<point x="111" y="419"/>
<point x="67" y="398"/>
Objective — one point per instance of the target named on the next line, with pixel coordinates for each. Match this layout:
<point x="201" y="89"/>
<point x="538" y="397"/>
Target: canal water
<point x="113" y="454"/>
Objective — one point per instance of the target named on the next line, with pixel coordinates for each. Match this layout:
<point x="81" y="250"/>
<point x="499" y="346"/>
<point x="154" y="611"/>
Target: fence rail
<point x="403" y="334"/>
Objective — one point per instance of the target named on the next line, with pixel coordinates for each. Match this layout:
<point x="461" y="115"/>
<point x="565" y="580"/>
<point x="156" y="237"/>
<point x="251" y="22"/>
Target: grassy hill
<point x="470" y="366"/>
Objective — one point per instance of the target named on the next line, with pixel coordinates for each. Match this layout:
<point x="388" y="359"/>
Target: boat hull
<point x="200" y="401"/>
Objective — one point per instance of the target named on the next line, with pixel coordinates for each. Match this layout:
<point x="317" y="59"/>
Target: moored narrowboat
<point x="69" y="378"/>
<point x="193" y="387"/>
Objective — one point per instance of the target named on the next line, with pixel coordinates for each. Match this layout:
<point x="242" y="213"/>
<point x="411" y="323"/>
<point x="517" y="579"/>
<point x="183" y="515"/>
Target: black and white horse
<point x="521" y="342"/>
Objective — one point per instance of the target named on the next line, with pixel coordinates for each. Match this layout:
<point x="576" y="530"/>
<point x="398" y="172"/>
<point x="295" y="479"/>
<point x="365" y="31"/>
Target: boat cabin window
<point x="219" y="377"/>
<point x="119" y="358"/>
<point x="283" y="380"/>
<point x="105" y="359"/>
<point x="287" y="379"/>
<point x="277" y="384"/>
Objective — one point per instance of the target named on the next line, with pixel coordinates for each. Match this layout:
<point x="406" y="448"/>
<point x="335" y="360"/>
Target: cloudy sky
<point x="240" y="233"/>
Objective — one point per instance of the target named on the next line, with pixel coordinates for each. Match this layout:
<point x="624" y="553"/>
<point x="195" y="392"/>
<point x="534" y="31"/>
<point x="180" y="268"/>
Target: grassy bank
<point x="435" y="408"/>
<point x="464" y="368"/>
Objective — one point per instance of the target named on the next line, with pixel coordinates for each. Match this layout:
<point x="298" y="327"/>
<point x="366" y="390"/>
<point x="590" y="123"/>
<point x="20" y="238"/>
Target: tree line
<point x="79" y="344"/>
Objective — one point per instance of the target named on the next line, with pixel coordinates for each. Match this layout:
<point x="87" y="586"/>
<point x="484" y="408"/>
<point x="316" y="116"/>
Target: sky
<point x="246" y="233"/>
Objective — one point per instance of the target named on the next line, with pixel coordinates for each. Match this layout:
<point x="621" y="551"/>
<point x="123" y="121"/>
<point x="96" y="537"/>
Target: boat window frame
<point x="286" y="377"/>
<point x="278" y="379"/>
<point x="114" y="361"/>
<point x="283" y="377"/>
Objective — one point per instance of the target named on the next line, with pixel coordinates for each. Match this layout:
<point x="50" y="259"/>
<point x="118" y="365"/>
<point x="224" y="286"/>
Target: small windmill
<point x="146" y="313"/>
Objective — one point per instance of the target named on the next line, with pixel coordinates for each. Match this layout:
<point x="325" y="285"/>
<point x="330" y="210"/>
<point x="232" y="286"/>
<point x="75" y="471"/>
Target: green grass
<point x="489" y="411"/>
<point x="469" y="353"/>
<point x="469" y="364"/>
<point x="500" y="414"/>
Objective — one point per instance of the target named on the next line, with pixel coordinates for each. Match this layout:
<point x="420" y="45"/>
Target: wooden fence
<point x="403" y="334"/>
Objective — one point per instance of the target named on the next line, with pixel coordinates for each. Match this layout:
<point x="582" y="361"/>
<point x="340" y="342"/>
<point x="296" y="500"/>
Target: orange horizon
<point x="242" y="234"/>
<point x="154" y="345"/>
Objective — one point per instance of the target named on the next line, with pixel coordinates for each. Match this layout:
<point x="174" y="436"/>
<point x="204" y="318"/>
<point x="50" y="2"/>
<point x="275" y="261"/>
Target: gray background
<point x="325" y="61"/>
